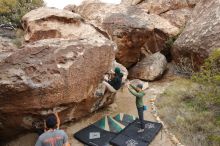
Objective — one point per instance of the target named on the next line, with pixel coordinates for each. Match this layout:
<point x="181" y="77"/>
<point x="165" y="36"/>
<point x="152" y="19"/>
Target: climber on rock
<point x="53" y="136"/>
<point x="139" y="94"/>
<point x="113" y="82"/>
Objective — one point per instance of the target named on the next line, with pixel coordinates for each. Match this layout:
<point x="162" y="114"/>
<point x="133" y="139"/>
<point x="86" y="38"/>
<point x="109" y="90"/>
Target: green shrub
<point x="210" y="71"/>
<point x="191" y="112"/>
<point x="11" y="11"/>
<point x="192" y="107"/>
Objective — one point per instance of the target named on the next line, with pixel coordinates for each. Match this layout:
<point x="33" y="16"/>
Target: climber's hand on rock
<point x="58" y="120"/>
<point x="127" y="83"/>
<point x="106" y="77"/>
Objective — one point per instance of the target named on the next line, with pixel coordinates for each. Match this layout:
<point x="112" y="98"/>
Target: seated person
<point x="114" y="83"/>
<point x="52" y="135"/>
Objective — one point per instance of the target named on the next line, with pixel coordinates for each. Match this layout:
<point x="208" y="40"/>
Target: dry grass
<point x="181" y="107"/>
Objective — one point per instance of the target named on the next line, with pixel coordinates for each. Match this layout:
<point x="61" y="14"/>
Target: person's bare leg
<point x="110" y="88"/>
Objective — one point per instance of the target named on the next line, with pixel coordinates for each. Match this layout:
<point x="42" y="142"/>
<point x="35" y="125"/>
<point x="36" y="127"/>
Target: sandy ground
<point x="124" y="103"/>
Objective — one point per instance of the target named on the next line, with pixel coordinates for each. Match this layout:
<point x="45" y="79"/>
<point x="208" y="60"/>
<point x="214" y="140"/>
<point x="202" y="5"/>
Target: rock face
<point x="59" y="74"/>
<point x="131" y="28"/>
<point x="178" y="17"/>
<point x="177" y="12"/>
<point x="59" y="70"/>
<point x="201" y="35"/>
<point x="7" y="36"/>
<point x="130" y="2"/>
<point x="6" y="48"/>
<point x="150" y="68"/>
<point x="162" y="6"/>
<point x="44" y="23"/>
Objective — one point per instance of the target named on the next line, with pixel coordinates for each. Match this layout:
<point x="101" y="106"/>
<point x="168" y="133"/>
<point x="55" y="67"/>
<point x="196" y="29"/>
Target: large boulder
<point x="44" y="23"/>
<point x="200" y="36"/>
<point x="150" y="68"/>
<point x="178" y="17"/>
<point x="192" y="3"/>
<point x="162" y="6"/>
<point x="177" y="12"/>
<point x="130" y="2"/>
<point x="131" y="28"/>
<point x="52" y="74"/>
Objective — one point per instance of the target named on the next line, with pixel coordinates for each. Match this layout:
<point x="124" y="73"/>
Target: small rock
<point x="152" y="100"/>
<point x="150" y="68"/>
<point x="158" y="119"/>
<point x="175" y="140"/>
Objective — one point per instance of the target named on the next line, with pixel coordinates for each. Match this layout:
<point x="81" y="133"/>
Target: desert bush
<point x="210" y="71"/>
<point x="187" y="108"/>
<point x="11" y="11"/>
<point x="191" y="107"/>
<point x="184" y="67"/>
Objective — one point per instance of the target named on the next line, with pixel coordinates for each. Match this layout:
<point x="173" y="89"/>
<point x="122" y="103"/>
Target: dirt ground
<point x="124" y="103"/>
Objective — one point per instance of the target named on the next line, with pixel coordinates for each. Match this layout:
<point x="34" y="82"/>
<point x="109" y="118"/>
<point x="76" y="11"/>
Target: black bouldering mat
<point x="101" y="137"/>
<point x="123" y="140"/>
<point x="131" y="133"/>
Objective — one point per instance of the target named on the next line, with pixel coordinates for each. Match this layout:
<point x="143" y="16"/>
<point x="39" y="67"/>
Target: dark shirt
<point x="116" y="81"/>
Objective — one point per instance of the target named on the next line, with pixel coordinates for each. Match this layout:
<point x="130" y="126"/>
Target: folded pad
<point x="125" y="119"/>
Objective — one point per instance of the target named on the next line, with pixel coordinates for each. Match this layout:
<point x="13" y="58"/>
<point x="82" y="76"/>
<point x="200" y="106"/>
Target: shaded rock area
<point x="150" y="68"/>
<point x="129" y="35"/>
<point x="6" y="48"/>
<point x="44" y="23"/>
<point x="51" y="74"/>
<point x="131" y="28"/>
<point x="201" y="35"/>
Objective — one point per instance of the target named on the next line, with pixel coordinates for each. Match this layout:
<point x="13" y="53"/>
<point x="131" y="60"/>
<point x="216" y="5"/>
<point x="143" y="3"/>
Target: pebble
<point x="152" y="100"/>
<point x="175" y="140"/>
